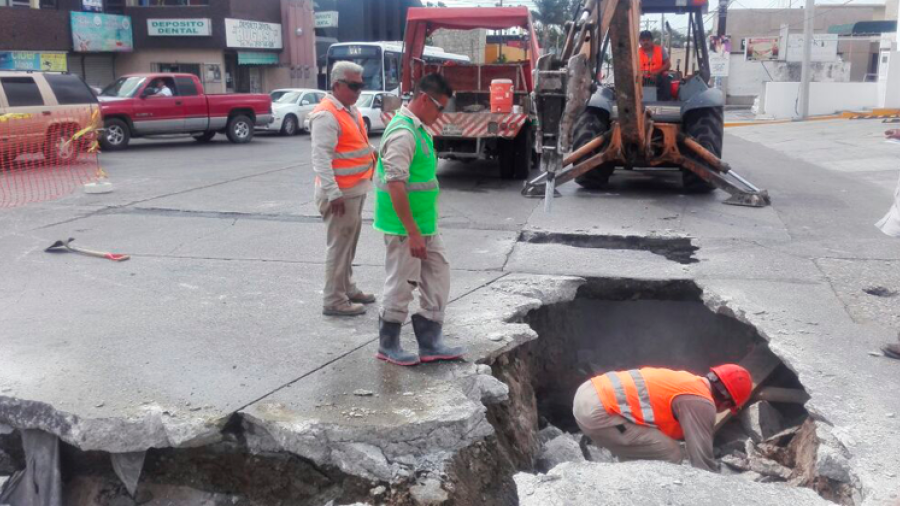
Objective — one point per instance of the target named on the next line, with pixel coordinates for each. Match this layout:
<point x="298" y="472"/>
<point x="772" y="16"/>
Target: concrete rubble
<point x="761" y="420"/>
<point x="651" y="483"/>
<point x="563" y="448"/>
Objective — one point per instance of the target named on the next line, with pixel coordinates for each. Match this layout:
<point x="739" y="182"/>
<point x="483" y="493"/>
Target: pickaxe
<point x="63" y="246"/>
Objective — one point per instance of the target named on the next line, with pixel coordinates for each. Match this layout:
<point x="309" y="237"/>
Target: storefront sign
<point x="252" y="34"/>
<point x="762" y="48"/>
<point x="719" y="55"/>
<point x="824" y="47"/>
<point x="100" y="33"/>
<point x="48" y="62"/>
<point x="92" y="5"/>
<point x="257" y="58"/>
<point x="179" y="27"/>
<point x="327" y="19"/>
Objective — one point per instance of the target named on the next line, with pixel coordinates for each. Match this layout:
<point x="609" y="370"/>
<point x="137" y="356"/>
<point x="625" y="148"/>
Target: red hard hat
<point x="737" y="381"/>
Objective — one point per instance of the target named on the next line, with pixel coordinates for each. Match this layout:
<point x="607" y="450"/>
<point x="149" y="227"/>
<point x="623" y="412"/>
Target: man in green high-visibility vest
<point x="406" y="211"/>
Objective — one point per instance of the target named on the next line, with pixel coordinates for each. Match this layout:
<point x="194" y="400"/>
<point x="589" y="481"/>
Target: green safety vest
<point x="422" y="186"/>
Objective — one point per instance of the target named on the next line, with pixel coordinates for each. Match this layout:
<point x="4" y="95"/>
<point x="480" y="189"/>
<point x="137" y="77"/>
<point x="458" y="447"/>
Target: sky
<point x="680" y="22"/>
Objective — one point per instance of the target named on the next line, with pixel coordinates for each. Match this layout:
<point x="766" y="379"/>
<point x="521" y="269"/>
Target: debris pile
<point x="763" y="445"/>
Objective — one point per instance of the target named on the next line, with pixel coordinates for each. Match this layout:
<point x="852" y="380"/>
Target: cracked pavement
<point x="218" y="312"/>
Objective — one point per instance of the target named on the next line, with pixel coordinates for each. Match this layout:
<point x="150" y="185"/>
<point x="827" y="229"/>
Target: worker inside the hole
<point x="655" y="65"/>
<point x="641" y="414"/>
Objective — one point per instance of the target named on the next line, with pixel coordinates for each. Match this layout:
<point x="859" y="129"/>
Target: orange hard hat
<point x="737" y="381"/>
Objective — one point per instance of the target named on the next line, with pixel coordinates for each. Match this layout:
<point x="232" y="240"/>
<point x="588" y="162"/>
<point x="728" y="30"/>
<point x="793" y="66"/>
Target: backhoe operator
<point x="655" y="65"/>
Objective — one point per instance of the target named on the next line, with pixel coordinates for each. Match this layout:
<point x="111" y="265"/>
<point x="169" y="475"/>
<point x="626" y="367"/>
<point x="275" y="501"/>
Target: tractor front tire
<point x="707" y="127"/>
<point x="592" y="124"/>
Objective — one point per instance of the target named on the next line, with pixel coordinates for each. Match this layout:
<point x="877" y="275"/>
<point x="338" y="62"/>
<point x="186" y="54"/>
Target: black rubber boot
<point x="431" y="341"/>
<point x="389" y="348"/>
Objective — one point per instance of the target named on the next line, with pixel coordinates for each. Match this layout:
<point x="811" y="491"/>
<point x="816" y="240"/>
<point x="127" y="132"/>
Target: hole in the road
<point x="880" y="291"/>
<point x="676" y="249"/>
<point x="616" y="324"/>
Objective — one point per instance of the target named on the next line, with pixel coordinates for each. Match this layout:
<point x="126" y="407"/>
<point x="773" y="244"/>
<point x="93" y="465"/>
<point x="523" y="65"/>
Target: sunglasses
<point x="353" y="85"/>
<point x="434" y="101"/>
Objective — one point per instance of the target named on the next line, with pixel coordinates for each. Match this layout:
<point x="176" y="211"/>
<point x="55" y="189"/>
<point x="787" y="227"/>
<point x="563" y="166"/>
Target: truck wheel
<point x="59" y="146"/>
<point x="506" y="154"/>
<point x="204" y="137"/>
<point x="368" y="125"/>
<point x="116" y="136"/>
<point x="591" y="124"/>
<point x="289" y="125"/>
<point x="523" y="154"/>
<point x="240" y="129"/>
<point x="707" y="127"/>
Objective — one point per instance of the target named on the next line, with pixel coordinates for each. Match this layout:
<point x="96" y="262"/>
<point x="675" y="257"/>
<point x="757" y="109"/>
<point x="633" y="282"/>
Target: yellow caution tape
<point x="13" y="115"/>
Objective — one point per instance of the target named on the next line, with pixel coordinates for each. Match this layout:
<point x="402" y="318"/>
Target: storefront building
<point x="231" y="45"/>
<point x="97" y="39"/>
<point x="33" y="39"/>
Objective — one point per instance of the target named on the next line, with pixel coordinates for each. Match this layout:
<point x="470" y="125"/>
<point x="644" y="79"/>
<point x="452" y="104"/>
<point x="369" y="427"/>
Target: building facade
<point x="855" y="60"/>
<point x="232" y="45"/>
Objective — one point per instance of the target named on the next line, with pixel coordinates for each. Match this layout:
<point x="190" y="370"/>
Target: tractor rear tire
<point x="592" y="124"/>
<point x="516" y="156"/>
<point x="707" y="127"/>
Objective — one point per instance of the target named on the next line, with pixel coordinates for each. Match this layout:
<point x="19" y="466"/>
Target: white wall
<point x="824" y="98"/>
<point x="749" y="78"/>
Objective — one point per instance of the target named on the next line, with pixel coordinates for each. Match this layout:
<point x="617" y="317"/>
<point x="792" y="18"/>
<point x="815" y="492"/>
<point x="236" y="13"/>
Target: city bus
<point x="381" y="62"/>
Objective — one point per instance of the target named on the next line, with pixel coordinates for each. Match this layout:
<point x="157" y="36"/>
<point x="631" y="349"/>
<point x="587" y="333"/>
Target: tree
<point x="549" y="17"/>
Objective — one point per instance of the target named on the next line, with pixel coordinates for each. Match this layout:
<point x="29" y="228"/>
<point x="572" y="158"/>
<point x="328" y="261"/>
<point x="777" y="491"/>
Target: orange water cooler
<point x="501" y="95"/>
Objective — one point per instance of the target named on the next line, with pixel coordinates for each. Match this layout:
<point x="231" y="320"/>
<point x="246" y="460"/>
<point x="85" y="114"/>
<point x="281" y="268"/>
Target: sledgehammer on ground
<point x="63" y="246"/>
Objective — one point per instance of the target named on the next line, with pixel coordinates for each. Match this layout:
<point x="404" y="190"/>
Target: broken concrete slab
<point x="549" y="433"/>
<point x="563" y="448"/>
<point x="646" y="482"/>
<point x="761" y="420"/>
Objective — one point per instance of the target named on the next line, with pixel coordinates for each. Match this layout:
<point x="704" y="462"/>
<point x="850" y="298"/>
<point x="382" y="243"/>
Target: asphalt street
<point x="219" y="309"/>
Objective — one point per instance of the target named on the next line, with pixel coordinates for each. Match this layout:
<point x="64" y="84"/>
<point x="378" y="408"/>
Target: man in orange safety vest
<point x="655" y="65"/>
<point x="344" y="163"/>
<point x="641" y="414"/>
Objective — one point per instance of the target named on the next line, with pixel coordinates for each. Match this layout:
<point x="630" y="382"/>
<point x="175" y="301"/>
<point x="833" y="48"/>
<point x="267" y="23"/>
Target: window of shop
<point x="178" y="68"/>
<point x="167" y="3"/>
<point x="21" y="91"/>
<point x="15" y="3"/>
<point x="70" y="89"/>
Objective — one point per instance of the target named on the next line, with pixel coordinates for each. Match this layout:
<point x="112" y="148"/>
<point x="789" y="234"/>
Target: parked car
<point x="291" y="107"/>
<point x="133" y="107"/>
<point x="41" y="112"/>
<point x="370" y="105"/>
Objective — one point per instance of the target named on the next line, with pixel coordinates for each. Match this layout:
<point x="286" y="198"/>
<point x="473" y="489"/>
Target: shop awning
<point x="257" y="58"/>
<point x="862" y="28"/>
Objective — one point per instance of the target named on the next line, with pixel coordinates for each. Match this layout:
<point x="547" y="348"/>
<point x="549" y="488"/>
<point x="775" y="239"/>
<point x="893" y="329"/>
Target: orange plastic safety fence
<point x="45" y="155"/>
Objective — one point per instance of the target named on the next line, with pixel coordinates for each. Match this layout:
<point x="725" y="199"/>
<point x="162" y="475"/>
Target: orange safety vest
<point x="353" y="156"/>
<point x="653" y="65"/>
<point x="644" y="396"/>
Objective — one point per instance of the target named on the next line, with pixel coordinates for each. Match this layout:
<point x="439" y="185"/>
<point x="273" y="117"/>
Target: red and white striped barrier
<point x="473" y="124"/>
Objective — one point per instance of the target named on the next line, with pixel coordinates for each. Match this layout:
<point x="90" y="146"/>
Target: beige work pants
<point x="406" y="273"/>
<point x="636" y="442"/>
<point x="342" y="238"/>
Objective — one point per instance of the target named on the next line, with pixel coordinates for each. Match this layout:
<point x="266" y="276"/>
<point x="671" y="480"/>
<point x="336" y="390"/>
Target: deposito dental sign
<point x="197" y="27"/>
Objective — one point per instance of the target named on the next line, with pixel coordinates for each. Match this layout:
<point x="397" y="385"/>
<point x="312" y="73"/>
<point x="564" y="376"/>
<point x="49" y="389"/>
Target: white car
<point x="370" y="105"/>
<point x="290" y="106"/>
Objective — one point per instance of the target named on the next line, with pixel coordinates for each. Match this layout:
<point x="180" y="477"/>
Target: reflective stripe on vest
<point x="422" y="187"/>
<point x="352" y="161"/>
<point x="644" y="396"/>
<point x="655" y="64"/>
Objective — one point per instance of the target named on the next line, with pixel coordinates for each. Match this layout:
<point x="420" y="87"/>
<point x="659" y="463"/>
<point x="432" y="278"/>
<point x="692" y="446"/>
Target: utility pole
<point x="723" y="15"/>
<point x="808" y="14"/>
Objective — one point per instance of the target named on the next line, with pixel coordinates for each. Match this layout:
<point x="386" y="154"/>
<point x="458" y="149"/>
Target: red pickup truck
<point x="139" y="105"/>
